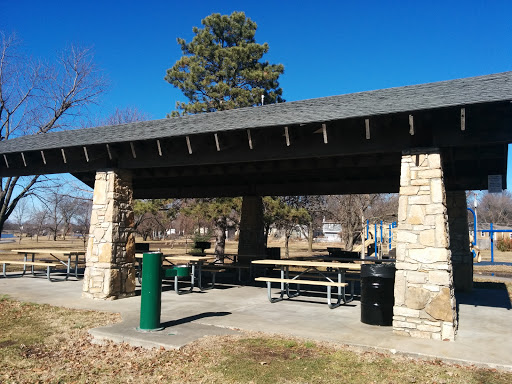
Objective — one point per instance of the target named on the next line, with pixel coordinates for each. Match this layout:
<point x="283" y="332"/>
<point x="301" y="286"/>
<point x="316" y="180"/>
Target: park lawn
<point x="45" y="344"/>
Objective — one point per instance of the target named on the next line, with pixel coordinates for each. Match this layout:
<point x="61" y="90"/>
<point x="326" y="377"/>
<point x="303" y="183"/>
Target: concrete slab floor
<point x="483" y="338"/>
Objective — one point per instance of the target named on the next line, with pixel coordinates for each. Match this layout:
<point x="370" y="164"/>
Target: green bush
<point x="504" y="245"/>
<point x="199" y="237"/>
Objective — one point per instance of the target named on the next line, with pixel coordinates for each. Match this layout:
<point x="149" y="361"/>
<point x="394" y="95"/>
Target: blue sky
<point x="327" y="47"/>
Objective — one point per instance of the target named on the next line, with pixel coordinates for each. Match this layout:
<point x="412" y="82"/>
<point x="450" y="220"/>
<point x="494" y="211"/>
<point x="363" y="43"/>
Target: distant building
<point x="330" y="231"/>
<point x="483" y="239"/>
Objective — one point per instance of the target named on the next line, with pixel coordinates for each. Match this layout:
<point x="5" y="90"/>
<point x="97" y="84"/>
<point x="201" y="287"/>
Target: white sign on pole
<point x="494" y="183"/>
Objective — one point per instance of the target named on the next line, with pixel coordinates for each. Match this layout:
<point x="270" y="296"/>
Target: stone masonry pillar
<point x="424" y="294"/>
<point x="462" y="258"/>
<point x="110" y="258"/>
<point x="251" y="241"/>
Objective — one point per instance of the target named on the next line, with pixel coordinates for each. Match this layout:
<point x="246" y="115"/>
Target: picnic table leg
<point x="341" y="279"/>
<point x="76" y="266"/>
<point x="192" y="283"/>
<point x="213" y="272"/>
<point x="48" y="273"/>
<point x="199" y="277"/>
<point x="338" y="302"/>
<point x="3" y="270"/>
<point x="341" y="291"/>
<point x="284" y="274"/>
<point x="269" y="288"/>
<point x="68" y="266"/>
<point x="25" y="266"/>
<point x="212" y="284"/>
<point x="176" y="288"/>
<point x="269" y="293"/>
<point x="32" y="266"/>
<point x="288" y="285"/>
<point x="192" y="277"/>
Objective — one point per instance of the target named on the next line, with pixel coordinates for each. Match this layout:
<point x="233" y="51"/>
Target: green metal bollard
<point x="151" y="292"/>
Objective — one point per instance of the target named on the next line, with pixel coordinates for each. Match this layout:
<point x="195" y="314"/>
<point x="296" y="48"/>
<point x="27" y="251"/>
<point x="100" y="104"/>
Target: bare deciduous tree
<point x="20" y="216"/>
<point x="68" y="210"/>
<point x="349" y="210"/>
<point x="83" y="217"/>
<point x="125" y="116"/>
<point x="53" y="203"/>
<point x="36" y="97"/>
<point x="39" y="220"/>
<point x="495" y="208"/>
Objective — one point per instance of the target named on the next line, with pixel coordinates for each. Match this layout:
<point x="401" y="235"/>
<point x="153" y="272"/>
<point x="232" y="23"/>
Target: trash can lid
<point x="384" y="270"/>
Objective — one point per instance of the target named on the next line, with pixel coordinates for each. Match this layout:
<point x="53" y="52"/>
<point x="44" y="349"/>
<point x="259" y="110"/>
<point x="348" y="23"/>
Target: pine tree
<point x="222" y="68"/>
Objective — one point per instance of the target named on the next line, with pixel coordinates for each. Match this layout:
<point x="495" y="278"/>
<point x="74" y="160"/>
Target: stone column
<point x="462" y="258"/>
<point x="424" y="295"/>
<point x="110" y="258"/>
<point x="251" y="241"/>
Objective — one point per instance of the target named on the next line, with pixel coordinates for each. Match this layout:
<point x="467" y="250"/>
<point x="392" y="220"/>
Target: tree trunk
<point x="266" y="233"/>
<point x="349" y="239"/>
<point x="2" y="222"/>
<point x="310" y="237"/>
<point x="286" y="249"/>
<point x="220" y="244"/>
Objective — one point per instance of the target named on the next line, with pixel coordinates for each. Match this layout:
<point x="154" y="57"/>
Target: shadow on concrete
<point x="190" y="319"/>
<point x="486" y="294"/>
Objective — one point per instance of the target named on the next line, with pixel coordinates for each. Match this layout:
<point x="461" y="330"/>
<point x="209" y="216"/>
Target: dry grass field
<point x="45" y="344"/>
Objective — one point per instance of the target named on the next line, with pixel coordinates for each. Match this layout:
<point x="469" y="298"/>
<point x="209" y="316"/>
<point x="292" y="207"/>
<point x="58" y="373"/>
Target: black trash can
<point x="377" y="293"/>
<point x="273" y="253"/>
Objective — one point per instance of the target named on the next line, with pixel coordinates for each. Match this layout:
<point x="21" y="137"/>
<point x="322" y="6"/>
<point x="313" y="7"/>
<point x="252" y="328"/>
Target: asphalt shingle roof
<point x="473" y="90"/>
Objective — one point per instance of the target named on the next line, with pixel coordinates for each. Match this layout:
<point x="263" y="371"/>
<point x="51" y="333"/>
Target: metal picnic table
<point x="193" y="261"/>
<point x="53" y="253"/>
<point x="307" y="267"/>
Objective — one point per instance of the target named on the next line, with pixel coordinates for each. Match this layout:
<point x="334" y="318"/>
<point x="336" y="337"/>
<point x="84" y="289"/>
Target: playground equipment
<point x="474" y="249"/>
<point x="379" y="240"/>
<point x="491" y="231"/>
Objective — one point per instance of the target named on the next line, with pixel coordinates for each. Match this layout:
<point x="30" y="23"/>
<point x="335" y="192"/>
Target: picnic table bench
<point x="306" y="267"/>
<point x="224" y="267"/>
<point x="49" y="266"/>
<point x="50" y="263"/>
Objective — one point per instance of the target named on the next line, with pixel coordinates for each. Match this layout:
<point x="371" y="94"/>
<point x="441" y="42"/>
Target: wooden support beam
<point x="189" y="146"/>
<point x="217" y="142"/>
<point x="367" y="126"/>
<point x="411" y="125"/>
<point x="63" y="155"/>
<point x="108" y="151"/>
<point x="324" y="131"/>
<point x="249" y="138"/>
<point x="23" y="158"/>
<point x="133" y="150"/>
<point x="463" y="119"/>
<point x="6" y="162"/>
<point x="86" y="154"/>
<point x="44" y="158"/>
<point x="159" y="147"/>
<point x="287" y="136"/>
